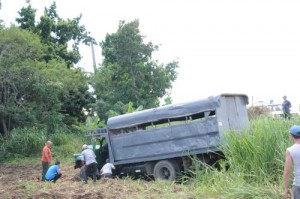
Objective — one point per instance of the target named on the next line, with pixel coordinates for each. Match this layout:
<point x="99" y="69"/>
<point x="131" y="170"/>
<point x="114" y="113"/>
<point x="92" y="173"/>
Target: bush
<point x="66" y="144"/>
<point x="60" y="138"/>
<point x="24" y="142"/>
<point x="28" y="142"/>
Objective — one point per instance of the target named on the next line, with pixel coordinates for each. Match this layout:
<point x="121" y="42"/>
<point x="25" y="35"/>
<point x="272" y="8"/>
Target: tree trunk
<point x="6" y="132"/>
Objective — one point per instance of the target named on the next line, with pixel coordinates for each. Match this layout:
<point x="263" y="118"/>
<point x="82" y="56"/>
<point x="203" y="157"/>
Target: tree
<point x="56" y="33"/>
<point x="26" y="94"/>
<point x="128" y="73"/>
<point x="33" y="92"/>
<point x="77" y="100"/>
<point x="27" y="19"/>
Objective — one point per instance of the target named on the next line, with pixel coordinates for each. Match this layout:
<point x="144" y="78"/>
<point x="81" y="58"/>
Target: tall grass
<point x="260" y="152"/>
<point x="65" y="145"/>
<point x="23" y="142"/>
<point x="255" y="159"/>
<point x="28" y="142"/>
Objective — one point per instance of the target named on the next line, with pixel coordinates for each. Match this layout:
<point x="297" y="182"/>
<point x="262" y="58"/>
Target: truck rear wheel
<point x="166" y="170"/>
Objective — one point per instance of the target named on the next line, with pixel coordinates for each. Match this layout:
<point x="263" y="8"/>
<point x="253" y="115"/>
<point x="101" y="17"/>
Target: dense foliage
<point x="20" y="52"/>
<point x="42" y="93"/>
<point x="57" y="34"/>
<point x="33" y="92"/>
<point x="127" y="75"/>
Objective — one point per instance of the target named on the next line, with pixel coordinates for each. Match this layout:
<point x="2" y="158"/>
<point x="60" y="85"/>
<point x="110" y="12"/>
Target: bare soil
<point x="25" y="182"/>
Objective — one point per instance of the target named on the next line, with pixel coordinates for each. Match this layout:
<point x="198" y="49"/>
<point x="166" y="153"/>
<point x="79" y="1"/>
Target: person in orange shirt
<point x="46" y="158"/>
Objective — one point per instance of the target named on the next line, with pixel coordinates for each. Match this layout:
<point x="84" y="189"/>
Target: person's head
<point x="295" y="131"/>
<point x="107" y="160"/>
<point x="84" y="147"/>
<point x="49" y="143"/>
<point x="284" y="97"/>
<point x="57" y="162"/>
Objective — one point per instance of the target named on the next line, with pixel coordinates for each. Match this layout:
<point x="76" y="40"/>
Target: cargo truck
<point x="160" y="142"/>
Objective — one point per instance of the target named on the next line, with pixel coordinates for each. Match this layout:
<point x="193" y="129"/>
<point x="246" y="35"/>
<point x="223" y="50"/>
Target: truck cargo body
<point x="167" y="136"/>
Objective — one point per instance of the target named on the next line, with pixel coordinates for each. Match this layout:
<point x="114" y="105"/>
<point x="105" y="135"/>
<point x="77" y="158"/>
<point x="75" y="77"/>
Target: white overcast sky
<point x="223" y="46"/>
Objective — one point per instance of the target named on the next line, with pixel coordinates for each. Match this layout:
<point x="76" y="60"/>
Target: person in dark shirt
<point x="286" y="105"/>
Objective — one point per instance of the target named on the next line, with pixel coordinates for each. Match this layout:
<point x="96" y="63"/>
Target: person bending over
<point x="106" y="171"/>
<point x="89" y="159"/>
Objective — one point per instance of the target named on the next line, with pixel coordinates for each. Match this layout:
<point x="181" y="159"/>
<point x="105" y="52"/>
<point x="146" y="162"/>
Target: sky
<point x="222" y="46"/>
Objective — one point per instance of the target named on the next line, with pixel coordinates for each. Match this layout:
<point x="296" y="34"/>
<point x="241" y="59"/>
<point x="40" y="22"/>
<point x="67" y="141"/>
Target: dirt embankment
<point x="25" y="182"/>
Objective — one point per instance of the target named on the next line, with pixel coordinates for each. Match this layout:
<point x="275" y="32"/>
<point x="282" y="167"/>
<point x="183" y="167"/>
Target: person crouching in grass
<point x="54" y="172"/>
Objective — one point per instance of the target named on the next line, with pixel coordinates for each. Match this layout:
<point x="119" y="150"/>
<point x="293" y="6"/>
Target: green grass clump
<point x="258" y="153"/>
<point x="23" y="142"/>
<point x="29" y="142"/>
<point x="65" y="145"/>
<point x="255" y="159"/>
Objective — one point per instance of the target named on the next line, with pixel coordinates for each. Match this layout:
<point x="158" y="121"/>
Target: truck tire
<point x="166" y="170"/>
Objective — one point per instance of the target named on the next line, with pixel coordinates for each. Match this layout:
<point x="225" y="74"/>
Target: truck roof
<point x="168" y="111"/>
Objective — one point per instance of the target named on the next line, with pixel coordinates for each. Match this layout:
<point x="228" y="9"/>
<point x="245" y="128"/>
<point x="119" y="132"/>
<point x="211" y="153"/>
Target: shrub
<point x="60" y="138"/>
<point x="25" y="142"/>
<point x="66" y="144"/>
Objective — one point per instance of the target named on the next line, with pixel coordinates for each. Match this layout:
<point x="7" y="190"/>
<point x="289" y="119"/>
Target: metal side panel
<point x="232" y="114"/>
<point x="166" y="141"/>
